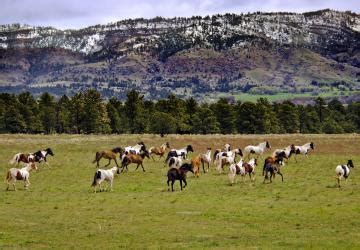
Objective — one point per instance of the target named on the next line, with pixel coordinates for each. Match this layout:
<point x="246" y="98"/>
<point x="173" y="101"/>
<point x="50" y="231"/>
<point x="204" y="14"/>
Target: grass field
<point x="61" y="211"/>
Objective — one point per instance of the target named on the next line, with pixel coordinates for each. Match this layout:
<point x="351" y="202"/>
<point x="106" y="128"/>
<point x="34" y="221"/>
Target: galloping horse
<point x="258" y="150"/>
<point x="135" y="149"/>
<point x="289" y="150"/>
<point x="179" y="152"/>
<point x="134" y="158"/>
<point x="160" y="151"/>
<point x="108" y="154"/>
<point x="304" y="149"/>
<point x="343" y="171"/>
<point x="104" y="175"/>
<point x="14" y="174"/>
<point x="224" y="158"/>
<point x="242" y="168"/>
<point x="178" y="174"/>
<point x="38" y="156"/>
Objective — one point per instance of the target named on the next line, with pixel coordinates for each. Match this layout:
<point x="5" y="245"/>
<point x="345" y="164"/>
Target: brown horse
<point x="134" y="158"/>
<point x="196" y="162"/>
<point x="160" y="151"/>
<point x="273" y="164"/>
<point x="178" y="174"/>
<point x="108" y="154"/>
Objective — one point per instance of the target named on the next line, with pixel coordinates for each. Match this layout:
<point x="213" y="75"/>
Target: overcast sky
<point x="81" y="13"/>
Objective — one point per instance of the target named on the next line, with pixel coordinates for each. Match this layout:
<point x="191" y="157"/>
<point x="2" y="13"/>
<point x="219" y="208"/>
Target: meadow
<point x="60" y="210"/>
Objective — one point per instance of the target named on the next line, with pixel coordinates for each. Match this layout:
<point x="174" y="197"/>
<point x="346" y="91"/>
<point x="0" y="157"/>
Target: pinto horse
<point x="179" y="152"/>
<point x="135" y="149"/>
<point x="242" y="168"/>
<point x="14" y="174"/>
<point x="38" y="156"/>
<point x="160" y="151"/>
<point x="107" y="154"/>
<point x="178" y="174"/>
<point x="104" y="175"/>
<point x="289" y="150"/>
<point x="343" y="171"/>
<point x="272" y="165"/>
<point x="304" y="149"/>
<point x="257" y="150"/>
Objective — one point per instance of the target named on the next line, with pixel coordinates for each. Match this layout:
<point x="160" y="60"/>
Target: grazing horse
<point x="104" y="175"/>
<point x="343" y="171"/>
<point x="160" y="151"/>
<point x="177" y="152"/>
<point x="304" y="149"/>
<point x="178" y="174"/>
<point x="108" y="154"/>
<point x="242" y="168"/>
<point x="38" y="156"/>
<point x="134" y="158"/>
<point x="289" y="150"/>
<point x="14" y="174"/>
<point x="175" y="161"/>
<point x="206" y="158"/>
<point x="135" y="149"/>
<point x="257" y="150"/>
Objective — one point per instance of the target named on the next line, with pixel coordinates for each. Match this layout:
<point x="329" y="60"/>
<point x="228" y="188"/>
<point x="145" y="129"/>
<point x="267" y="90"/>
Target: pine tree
<point x="63" y="115"/>
<point x="204" y="121"/>
<point x="47" y="112"/>
<point x="225" y="115"/>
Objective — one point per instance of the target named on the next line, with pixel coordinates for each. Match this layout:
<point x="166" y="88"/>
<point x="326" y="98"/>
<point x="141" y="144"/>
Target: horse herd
<point x="176" y="160"/>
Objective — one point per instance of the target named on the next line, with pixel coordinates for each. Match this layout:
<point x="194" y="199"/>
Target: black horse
<point x="178" y="174"/>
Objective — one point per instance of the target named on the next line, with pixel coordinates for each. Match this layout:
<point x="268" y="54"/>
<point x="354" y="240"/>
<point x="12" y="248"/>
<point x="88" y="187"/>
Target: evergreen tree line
<point x="88" y="113"/>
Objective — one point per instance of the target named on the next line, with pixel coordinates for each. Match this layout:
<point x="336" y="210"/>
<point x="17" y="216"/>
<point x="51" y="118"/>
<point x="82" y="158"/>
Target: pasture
<point x="60" y="210"/>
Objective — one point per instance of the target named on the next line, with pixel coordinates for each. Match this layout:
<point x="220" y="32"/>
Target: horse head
<point x="187" y="167"/>
<point x="145" y="153"/>
<point x="117" y="150"/>
<point x="239" y="152"/>
<point x="49" y="151"/>
<point x="143" y="147"/>
<point x="312" y="145"/>
<point x="281" y="155"/>
<point x="189" y="148"/>
<point x="350" y="163"/>
<point x="268" y="145"/>
<point x="255" y="162"/>
<point x="167" y="145"/>
<point x="292" y="148"/>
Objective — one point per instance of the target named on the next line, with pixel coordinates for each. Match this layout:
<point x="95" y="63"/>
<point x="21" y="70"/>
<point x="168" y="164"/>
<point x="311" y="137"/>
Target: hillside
<point x="258" y="53"/>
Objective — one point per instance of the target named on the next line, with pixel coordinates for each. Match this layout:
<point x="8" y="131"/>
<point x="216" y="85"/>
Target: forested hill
<point x="257" y="53"/>
<point x="88" y="113"/>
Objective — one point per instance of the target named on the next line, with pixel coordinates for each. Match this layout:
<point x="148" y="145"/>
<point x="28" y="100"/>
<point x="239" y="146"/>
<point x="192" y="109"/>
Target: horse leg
<point x="168" y="182"/>
<point x="107" y="164"/>
<point x="111" y="184"/>
<point x="142" y="167"/>
<point x="137" y="167"/>
<point x="14" y="182"/>
<point x="279" y="173"/>
<point x="116" y="162"/>
<point x="185" y="182"/>
<point x="181" y="184"/>
<point x="172" y="185"/>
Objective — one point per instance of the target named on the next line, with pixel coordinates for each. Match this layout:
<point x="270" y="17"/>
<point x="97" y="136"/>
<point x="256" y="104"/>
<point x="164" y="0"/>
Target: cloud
<point x="82" y="13"/>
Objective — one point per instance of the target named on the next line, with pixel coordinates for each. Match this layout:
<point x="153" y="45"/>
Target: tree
<point x="63" y="115"/>
<point x="29" y="109"/>
<point x="162" y="123"/>
<point x="134" y="112"/>
<point x="77" y="112"/>
<point x="13" y="121"/>
<point x="320" y="108"/>
<point x="204" y="121"/>
<point x="289" y="117"/>
<point x="225" y="115"/>
<point x="47" y="112"/>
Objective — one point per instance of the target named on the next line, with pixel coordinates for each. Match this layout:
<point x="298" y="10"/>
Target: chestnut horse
<point x="108" y="154"/>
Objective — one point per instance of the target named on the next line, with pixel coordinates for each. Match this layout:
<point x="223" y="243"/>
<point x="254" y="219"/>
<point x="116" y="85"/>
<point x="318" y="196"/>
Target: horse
<point x="175" y="161"/>
<point x="272" y="165"/>
<point x="38" y="156"/>
<point x="196" y="162"/>
<point x="108" y="154"/>
<point x="224" y="158"/>
<point x="104" y="175"/>
<point x="206" y="158"/>
<point x="243" y="168"/>
<point x="289" y="150"/>
<point x="140" y="146"/>
<point x="343" y="171"/>
<point x="226" y="148"/>
<point x="304" y="149"/>
<point x="178" y="174"/>
<point x="177" y="152"/>
<point x="160" y="151"/>
<point x="258" y="150"/>
<point x="134" y="158"/>
<point x="14" y="174"/>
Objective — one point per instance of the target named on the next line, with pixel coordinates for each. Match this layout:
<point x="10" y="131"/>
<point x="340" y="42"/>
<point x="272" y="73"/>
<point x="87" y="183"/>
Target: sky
<point x="69" y="14"/>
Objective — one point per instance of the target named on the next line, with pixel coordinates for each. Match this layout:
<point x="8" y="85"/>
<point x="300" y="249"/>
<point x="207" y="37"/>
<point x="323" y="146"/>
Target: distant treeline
<point x="87" y="113"/>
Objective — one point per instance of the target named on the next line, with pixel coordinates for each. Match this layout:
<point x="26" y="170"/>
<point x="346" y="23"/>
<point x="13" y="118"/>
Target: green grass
<point x="288" y="96"/>
<point x="61" y="211"/>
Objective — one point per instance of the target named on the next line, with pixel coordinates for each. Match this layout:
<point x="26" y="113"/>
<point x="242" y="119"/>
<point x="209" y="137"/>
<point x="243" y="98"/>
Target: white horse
<point x="175" y="161"/>
<point x="257" y="150"/>
<point x="343" y="171"/>
<point x="206" y="158"/>
<point x="234" y="169"/>
<point x="104" y="175"/>
<point x="288" y="151"/>
<point x="304" y="149"/>
<point x="135" y="149"/>
<point x="14" y="174"/>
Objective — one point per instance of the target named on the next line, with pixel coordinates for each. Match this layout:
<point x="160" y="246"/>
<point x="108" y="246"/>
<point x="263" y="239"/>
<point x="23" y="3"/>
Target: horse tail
<point x="15" y="159"/>
<point x="171" y="162"/>
<point x="96" y="176"/>
<point x="8" y="176"/>
<point x="97" y="156"/>
<point x="150" y="150"/>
